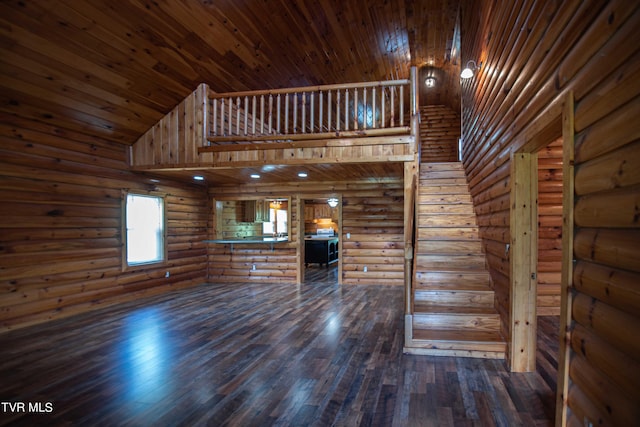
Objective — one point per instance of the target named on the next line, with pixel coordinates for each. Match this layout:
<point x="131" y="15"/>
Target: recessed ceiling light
<point x="198" y="178"/>
<point x="302" y="174"/>
<point x="255" y="176"/>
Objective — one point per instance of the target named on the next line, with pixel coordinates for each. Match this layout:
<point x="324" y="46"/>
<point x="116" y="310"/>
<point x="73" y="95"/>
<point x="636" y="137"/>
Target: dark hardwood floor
<point x="257" y="355"/>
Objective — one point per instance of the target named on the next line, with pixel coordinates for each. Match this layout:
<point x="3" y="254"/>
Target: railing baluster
<point x="261" y="114"/>
<point x="383" y="103"/>
<point x="238" y="115"/>
<point x="338" y="93"/>
<point x="311" y="116"/>
<point x="329" y="111"/>
<point x="355" y="110"/>
<point x="270" y="114"/>
<point x="253" y="114"/>
<point x="246" y="115"/>
<point x="401" y="105"/>
<point x="304" y="112"/>
<point x="393" y="107"/>
<point x="346" y="109"/>
<point x="215" y="117"/>
<point x="295" y="113"/>
<point x="286" y="113"/>
<point x="230" y="116"/>
<point x="279" y="116"/>
<point x="364" y="108"/>
<point x="222" y="117"/>
<point x="320" y="106"/>
<point x="374" y="122"/>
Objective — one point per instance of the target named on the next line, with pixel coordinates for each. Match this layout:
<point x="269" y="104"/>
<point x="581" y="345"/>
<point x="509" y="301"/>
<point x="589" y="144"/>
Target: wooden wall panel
<point x="372" y="216"/>
<point x="60" y="234"/>
<point x="174" y="140"/>
<point x="374" y="221"/>
<point x="549" y="229"/>
<point x="582" y="47"/>
<point x="439" y="134"/>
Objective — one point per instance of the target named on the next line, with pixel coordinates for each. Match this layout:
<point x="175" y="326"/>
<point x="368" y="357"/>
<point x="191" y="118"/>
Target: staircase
<point x="453" y="302"/>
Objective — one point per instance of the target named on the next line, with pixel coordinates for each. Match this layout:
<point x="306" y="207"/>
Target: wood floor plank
<point x="257" y="354"/>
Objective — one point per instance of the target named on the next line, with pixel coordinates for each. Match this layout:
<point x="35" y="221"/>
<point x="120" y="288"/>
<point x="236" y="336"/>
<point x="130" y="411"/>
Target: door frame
<point x="523" y="247"/>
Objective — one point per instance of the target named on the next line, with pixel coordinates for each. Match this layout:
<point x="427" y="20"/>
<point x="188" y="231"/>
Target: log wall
<point x="439" y="134"/>
<point x="549" y="229"/>
<point x="372" y="215"/>
<point x="591" y="49"/>
<point x="61" y="235"/>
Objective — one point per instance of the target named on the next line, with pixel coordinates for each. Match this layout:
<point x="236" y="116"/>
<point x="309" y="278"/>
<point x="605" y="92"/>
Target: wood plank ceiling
<point x="113" y="69"/>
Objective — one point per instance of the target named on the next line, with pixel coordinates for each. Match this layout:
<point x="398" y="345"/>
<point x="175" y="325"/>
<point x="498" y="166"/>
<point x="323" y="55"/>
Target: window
<point x="145" y="230"/>
<point x="277" y="222"/>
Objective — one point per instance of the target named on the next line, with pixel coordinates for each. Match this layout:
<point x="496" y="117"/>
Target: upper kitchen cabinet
<point x="256" y="210"/>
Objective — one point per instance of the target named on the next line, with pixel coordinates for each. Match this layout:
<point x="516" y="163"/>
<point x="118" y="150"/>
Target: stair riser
<point x="428" y="181"/>
<point x="465" y="247"/>
<point x="445" y="198"/>
<point x="447" y="221"/>
<point x="476" y="322"/>
<point x="442" y="167"/>
<point x="425" y="298"/>
<point x="450" y="263"/>
<point x="449" y="233"/>
<point x="466" y="209"/>
<point x="425" y="278"/>
<point x="444" y="189"/>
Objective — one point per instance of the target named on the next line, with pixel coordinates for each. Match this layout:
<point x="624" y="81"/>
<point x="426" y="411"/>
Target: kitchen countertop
<point x="252" y="239"/>
<point x="321" y="238"/>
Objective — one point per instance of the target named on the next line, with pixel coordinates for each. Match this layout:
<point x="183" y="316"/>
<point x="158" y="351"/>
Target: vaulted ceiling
<point x="113" y="68"/>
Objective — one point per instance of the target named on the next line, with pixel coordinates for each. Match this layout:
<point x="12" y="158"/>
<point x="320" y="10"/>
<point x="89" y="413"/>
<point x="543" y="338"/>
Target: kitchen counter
<point x="250" y="240"/>
<point x="321" y="250"/>
<point x="321" y="238"/>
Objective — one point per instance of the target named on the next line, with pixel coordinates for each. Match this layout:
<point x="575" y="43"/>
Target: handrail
<point x="310" y="112"/>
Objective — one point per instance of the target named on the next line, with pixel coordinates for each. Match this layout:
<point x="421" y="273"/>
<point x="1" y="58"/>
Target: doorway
<point x="535" y="252"/>
<point x="320" y="235"/>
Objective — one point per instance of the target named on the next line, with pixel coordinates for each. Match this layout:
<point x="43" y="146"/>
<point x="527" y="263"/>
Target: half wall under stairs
<point x="453" y="302"/>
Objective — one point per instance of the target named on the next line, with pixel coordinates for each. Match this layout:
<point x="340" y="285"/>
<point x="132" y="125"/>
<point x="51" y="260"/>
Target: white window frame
<point x="160" y="235"/>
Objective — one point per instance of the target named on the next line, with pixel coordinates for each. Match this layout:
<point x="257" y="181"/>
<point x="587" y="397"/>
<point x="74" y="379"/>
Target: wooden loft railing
<point x="358" y="122"/>
<point x="308" y="113"/>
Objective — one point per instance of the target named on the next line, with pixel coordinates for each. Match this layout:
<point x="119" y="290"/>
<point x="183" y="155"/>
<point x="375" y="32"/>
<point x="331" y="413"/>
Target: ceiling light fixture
<point x="430" y="81"/>
<point x="333" y="202"/>
<point x="198" y="178"/>
<point x="302" y="174"/>
<point x="467" y="73"/>
<point x="255" y="176"/>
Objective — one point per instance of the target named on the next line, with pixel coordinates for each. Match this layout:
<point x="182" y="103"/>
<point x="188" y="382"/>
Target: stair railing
<point x="411" y="180"/>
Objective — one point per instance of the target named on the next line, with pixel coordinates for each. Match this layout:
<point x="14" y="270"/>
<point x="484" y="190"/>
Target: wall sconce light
<point x="430" y="81"/>
<point x="333" y="202"/>
<point x="467" y="73"/>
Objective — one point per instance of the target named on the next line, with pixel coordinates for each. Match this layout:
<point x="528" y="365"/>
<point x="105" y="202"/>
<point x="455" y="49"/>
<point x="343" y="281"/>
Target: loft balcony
<point x="368" y="122"/>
